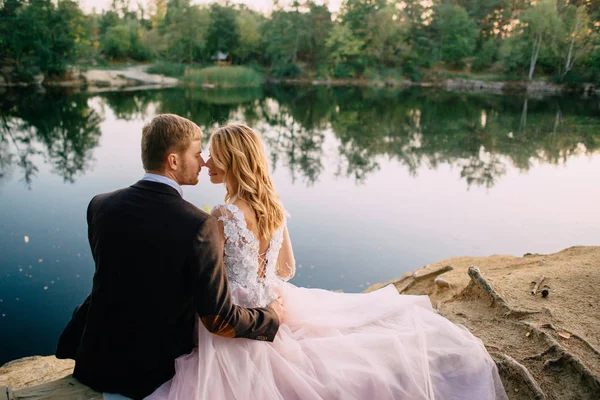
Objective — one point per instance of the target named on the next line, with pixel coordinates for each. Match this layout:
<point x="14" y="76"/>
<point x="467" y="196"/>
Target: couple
<point x="191" y="306"/>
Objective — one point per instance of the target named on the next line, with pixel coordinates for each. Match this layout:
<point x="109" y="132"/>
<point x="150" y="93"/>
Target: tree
<point x="223" y="33"/>
<point x="454" y="32"/>
<point x="342" y="44"/>
<point x="39" y="36"/>
<point x="248" y="24"/>
<point x="540" y="25"/>
<point x="319" y="24"/>
<point x="157" y="10"/>
<point x="577" y="36"/>
<point x="184" y="31"/>
<point x="388" y="31"/>
<point x="286" y="37"/>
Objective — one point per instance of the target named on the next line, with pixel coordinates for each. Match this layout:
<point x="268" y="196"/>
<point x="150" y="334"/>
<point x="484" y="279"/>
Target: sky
<point x="259" y="5"/>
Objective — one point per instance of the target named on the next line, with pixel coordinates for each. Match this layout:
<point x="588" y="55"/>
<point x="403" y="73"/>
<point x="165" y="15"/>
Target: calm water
<point x="377" y="183"/>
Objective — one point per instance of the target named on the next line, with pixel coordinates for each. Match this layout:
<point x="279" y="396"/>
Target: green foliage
<point x="454" y="32"/>
<point x="286" y="39"/>
<point x="40" y="36"/>
<point x="286" y="71"/>
<point x="248" y="24"/>
<point x="224" y="77"/>
<point x="175" y="70"/>
<point x="223" y="31"/>
<point x="184" y="32"/>
<point x="365" y="40"/>
<point x="486" y="56"/>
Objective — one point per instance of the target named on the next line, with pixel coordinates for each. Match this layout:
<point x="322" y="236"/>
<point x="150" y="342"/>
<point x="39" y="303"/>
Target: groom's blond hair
<point x="166" y="133"/>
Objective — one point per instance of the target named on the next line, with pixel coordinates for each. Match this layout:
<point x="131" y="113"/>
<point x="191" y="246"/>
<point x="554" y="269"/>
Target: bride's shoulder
<point x="221" y="211"/>
<point x="229" y="211"/>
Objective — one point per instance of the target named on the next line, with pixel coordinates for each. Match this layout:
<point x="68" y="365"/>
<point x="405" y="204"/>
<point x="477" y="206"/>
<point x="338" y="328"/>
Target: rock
<point x="35" y="370"/>
<point x="43" y="378"/>
<point x="472" y="85"/>
<point x="38" y="79"/>
<point x="543" y="87"/>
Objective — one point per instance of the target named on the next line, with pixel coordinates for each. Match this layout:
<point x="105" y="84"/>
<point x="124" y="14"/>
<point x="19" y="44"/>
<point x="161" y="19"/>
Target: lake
<point x="377" y="182"/>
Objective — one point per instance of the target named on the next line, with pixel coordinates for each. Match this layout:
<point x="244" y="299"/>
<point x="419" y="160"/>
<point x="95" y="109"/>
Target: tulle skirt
<point x="379" y="345"/>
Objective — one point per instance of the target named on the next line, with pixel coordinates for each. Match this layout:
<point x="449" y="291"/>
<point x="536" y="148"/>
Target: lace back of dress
<point x="247" y="268"/>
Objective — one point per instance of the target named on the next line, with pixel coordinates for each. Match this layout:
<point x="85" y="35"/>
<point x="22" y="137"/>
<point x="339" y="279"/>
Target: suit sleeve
<point x="69" y="340"/>
<point x="91" y="225"/>
<point x="211" y="293"/>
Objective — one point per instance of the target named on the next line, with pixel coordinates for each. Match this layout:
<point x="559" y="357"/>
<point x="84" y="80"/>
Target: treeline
<point x="371" y="39"/>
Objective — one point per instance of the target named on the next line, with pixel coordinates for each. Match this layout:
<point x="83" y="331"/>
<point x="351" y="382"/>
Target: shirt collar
<point x="163" y="179"/>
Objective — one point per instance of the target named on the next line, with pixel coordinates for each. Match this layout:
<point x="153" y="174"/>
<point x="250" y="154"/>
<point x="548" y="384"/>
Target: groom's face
<point x="192" y="163"/>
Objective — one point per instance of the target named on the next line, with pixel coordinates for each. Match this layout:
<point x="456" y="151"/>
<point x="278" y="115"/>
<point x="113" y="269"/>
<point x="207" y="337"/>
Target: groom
<point x="159" y="262"/>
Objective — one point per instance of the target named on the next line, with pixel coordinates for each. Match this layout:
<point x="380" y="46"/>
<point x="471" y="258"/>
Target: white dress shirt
<point x="163" y="179"/>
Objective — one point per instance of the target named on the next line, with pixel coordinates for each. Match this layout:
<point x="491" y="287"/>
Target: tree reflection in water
<point x="480" y="135"/>
<point x="61" y="128"/>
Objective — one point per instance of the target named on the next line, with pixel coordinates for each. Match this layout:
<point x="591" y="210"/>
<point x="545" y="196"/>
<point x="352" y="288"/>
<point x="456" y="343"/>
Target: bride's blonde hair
<point x="238" y="150"/>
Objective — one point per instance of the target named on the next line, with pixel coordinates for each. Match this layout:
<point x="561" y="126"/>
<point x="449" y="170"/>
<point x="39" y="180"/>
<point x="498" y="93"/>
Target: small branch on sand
<point x="414" y="277"/>
<point x="537" y="284"/>
<point x="506" y="361"/>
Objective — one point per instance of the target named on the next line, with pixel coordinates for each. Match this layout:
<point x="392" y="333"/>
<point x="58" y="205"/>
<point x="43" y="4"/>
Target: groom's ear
<point x="173" y="161"/>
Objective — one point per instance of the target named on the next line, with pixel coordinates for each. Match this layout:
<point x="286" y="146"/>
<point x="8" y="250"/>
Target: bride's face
<point x="215" y="174"/>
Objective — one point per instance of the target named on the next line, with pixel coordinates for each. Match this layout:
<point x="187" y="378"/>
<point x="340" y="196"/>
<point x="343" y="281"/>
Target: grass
<point x="224" y="77"/>
<point x="174" y="70"/>
<point x="232" y="96"/>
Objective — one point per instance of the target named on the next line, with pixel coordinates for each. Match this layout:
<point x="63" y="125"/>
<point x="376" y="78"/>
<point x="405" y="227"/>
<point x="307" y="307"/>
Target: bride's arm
<point x="286" y="265"/>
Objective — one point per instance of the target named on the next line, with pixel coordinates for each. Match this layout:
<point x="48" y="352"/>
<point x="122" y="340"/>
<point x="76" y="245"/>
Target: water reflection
<point x="63" y="130"/>
<point x="478" y="135"/>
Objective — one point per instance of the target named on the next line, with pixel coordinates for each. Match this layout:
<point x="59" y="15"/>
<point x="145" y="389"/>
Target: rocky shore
<point x="546" y="345"/>
<point x="136" y="78"/>
<point x="99" y="80"/>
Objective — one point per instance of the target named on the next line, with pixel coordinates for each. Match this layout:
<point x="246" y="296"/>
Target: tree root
<point x="504" y="360"/>
<point x="575" y="335"/>
<point x="487" y="287"/>
<point x="563" y="357"/>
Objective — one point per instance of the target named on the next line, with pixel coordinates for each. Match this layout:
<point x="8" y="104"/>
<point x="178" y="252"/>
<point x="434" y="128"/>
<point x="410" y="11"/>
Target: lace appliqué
<point x="243" y="261"/>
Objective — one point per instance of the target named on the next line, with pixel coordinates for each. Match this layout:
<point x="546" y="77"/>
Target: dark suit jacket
<point x="159" y="263"/>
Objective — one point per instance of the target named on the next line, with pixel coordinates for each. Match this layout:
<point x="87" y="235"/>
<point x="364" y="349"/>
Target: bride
<point x="380" y="345"/>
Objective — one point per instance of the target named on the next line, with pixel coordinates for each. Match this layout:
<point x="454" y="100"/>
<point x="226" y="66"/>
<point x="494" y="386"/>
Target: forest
<point x="518" y="40"/>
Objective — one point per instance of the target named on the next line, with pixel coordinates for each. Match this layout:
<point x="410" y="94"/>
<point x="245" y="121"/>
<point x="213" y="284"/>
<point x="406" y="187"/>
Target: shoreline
<point x="135" y="78"/>
<point x="544" y="347"/>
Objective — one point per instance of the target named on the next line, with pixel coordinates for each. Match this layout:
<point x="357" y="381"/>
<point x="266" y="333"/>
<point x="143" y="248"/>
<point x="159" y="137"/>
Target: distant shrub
<point x="286" y="71"/>
<point x="224" y="77"/>
<point x="175" y="70"/>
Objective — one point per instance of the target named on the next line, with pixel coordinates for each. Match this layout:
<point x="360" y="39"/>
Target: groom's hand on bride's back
<point x="212" y="297"/>
<point x="277" y="306"/>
